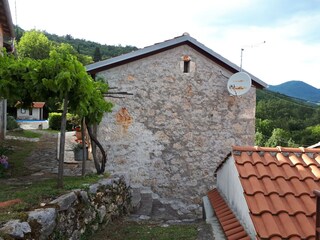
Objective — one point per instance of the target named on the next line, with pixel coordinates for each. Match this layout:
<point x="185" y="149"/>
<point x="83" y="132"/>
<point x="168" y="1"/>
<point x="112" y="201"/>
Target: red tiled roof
<point x="278" y="187"/>
<point x="228" y="221"/>
<point x="38" y="104"/>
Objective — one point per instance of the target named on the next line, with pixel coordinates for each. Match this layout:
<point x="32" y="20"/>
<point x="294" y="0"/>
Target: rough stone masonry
<point x="178" y="125"/>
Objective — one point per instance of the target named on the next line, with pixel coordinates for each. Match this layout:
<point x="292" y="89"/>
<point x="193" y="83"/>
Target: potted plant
<point x="78" y="152"/>
<point x="78" y="132"/>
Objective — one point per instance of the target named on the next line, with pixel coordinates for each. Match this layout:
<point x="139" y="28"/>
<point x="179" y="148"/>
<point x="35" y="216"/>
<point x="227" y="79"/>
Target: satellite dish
<point x="239" y="83"/>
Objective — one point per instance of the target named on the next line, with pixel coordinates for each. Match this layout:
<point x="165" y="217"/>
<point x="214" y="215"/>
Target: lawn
<point x="24" y="133"/>
<point x="31" y="192"/>
<point x="34" y="193"/>
<point x="130" y="230"/>
<point x="17" y="151"/>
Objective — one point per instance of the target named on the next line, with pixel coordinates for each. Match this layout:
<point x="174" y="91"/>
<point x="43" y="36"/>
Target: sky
<point x="280" y="38"/>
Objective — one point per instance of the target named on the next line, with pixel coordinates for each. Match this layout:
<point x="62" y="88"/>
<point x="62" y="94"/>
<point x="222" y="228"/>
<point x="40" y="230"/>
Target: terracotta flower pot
<point x="78" y="135"/>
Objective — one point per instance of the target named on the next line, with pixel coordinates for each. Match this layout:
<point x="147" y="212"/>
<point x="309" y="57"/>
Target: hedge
<point x="55" y="121"/>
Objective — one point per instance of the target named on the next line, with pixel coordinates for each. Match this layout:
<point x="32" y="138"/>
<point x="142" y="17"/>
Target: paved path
<point x="43" y="162"/>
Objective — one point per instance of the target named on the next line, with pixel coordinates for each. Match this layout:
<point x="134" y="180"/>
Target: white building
<point x="33" y="113"/>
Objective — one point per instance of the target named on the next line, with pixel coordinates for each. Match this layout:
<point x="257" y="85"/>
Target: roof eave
<point x="10" y="30"/>
<point x="185" y="39"/>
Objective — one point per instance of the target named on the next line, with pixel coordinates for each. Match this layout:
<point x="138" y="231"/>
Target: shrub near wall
<point x="74" y="214"/>
<point x="11" y="123"/>
<point x="55" y="121"/>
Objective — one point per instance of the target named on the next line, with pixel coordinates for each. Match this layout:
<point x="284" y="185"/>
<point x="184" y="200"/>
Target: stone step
<point x="136" y="199"/>
<point x="145" y="204"/>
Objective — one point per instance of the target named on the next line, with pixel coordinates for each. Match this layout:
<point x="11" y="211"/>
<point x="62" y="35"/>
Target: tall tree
<point x="60" y="76"/>
<point x="97" y="55"/>
<point x="35" y="45"/>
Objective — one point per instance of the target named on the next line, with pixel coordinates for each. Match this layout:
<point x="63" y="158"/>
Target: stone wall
<point x="73" y="214"/>
<point x="176" y="128"/>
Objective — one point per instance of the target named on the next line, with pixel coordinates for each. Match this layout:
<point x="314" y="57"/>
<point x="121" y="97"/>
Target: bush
<point x="11" y="123"/>
<point x="55" y="121"/>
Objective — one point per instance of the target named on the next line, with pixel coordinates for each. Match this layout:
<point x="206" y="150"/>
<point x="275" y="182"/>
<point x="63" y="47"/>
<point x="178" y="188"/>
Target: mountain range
<point x="299" y="90"/>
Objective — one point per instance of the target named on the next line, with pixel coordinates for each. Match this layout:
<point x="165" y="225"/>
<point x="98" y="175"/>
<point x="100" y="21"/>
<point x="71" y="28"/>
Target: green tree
<point x="279" y="137"/>
<point x="264" y="126"/>
<point x="97" y="55"/>
<point x="34" y="44"/>
<point x="60" y="76"/>
<point x="16" y="76"/>
<point x="67" y="78"/>
<point x="275" y="110"/>
<point x="259" y="139"/>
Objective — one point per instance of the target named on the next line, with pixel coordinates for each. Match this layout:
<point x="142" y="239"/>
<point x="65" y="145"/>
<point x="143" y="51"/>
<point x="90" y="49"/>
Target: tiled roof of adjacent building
<point x="278" y="186"/>
<point x="163" y="46"/>
<point x="38" y="104"/>
<point x="229" y="223"/>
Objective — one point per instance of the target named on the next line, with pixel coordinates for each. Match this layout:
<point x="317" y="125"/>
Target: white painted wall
<point x="228" y="184"/>
<point x="26" y="114"/>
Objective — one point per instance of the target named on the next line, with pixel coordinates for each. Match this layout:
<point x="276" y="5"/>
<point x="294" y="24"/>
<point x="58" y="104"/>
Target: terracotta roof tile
<point x="38" y="104"/>
<point x="229" y="223"/>
<point x="278" y="186"/>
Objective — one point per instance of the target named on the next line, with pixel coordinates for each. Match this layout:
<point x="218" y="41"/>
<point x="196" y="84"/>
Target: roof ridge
<point x="278" y="176"/>
<point x="274" y="149"/>
<point x="311" y="195"/>
<point x="278" y="212"/>
<point x="279" y="164"/>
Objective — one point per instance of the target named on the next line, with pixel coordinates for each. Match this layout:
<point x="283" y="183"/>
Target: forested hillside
<point x="95" y="50"/>
<point x="284" y="121"/>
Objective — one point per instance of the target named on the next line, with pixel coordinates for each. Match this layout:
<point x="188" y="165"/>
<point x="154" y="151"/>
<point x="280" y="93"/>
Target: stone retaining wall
<point x="73" y="214"/>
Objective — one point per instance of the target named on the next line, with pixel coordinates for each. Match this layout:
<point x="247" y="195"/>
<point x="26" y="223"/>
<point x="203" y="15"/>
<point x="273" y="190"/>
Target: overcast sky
<point x="289" y="28"/>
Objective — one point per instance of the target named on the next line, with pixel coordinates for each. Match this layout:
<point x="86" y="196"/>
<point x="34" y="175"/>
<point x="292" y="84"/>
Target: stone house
<point x="6" y="33"/>
<point x="268" y="193"/>
<point x="171" y="134"/>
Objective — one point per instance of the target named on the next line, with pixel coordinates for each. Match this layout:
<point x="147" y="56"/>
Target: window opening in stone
<point x="186" y="63"/>
<point x="186" y="66"/>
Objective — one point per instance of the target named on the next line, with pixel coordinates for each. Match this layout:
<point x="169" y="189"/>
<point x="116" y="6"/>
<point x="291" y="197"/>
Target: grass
<point x="51" y="130"/>
<point x="24" y="133"/>
<point x="120" y="230"/>
<point x="35" y="192"/>
<point x="32" y="194"/>
<point x="17" y="151"/>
